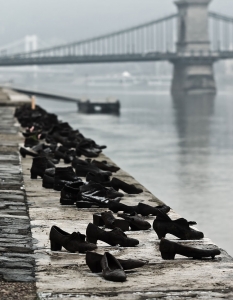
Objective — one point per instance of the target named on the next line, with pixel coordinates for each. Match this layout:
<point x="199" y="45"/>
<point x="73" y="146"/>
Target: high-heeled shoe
<point x="180" y="227"/>
<point x="74" y="242"/>
<point x="109" y="221"/>
<point x="169" y="249"/>
<point x="93" y="260"/>
<point x="135" y="221"/>
<point x="113" y="238"/>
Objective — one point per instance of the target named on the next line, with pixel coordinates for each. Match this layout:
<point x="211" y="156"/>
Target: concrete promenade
<point x="65" y="275"/>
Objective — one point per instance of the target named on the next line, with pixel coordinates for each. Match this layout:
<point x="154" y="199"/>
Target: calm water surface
<point x="182" y="151"/>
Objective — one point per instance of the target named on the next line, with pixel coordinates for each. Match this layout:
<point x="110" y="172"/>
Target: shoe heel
<point x="33" y="176"/>
<point x="97" y="220"/>
<point x="92" y="239"/>
<point x="54" y="246"/>
<point x="168" y="255"/>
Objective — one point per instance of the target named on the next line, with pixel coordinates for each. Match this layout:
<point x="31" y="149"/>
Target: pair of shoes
<point x="94" y="194"/>
<point x="169" y="249"/>
<point x="141" y="208"/>
<point x="113" y="238"/>
<point x="107" y="219"/>
<point x="74" y="242"/>
<point x="116" y="183"/>
<point x="87" y="149"/>
<point x="94" y="190"/>
<point x="93" y="260"/>
<point x="105" y="166"/>
<point x="83" y="167"/>
<point x="112" y="269"/>
<point x="135" y="221"/>
<point x="180" y="227"/>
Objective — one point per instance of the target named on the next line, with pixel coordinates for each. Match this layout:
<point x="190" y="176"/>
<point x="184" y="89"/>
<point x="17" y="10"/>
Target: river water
<point x="181" y="150"/>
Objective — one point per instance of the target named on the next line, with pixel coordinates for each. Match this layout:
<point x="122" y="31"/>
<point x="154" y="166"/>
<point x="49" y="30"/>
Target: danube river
<point x="180" y="149"/>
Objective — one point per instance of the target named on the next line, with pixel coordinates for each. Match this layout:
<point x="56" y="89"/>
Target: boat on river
<point x="104" y="106"/>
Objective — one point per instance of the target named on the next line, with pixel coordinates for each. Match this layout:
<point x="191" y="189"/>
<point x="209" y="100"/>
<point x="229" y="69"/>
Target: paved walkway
<point x="16" y="248"/>
<point x="65" y="275"/>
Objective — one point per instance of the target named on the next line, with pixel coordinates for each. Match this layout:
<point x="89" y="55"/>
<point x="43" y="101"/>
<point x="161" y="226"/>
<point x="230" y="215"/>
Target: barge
<point x="104" y="106"/>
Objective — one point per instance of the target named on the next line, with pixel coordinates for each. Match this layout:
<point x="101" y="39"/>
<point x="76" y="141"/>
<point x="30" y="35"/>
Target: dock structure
<point x="28" y="211"/>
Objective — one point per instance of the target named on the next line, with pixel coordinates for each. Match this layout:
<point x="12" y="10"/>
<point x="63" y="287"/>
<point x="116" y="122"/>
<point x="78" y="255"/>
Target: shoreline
<point x="204" y="278"/>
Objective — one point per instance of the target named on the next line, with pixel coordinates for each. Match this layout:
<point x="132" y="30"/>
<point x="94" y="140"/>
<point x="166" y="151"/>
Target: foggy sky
<point x="60" y="21"/>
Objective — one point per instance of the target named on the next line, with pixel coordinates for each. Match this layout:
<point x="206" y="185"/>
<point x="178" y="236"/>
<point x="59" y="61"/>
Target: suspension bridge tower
<point x="193" y="75"/>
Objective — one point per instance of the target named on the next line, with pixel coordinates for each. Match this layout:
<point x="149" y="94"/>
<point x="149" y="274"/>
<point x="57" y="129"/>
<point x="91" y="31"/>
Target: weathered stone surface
<point x="63" y="274"/>
<point x="15" y="234"/>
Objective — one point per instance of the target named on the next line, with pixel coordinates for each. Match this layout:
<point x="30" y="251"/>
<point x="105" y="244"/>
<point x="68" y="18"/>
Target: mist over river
<point x="180" y="149"/>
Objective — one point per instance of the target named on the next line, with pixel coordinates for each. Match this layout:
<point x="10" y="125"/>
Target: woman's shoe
<point x="113" y="238"/>
<point x="74" y="242"/>
<point x="135" y="221"/>
<point x="93" y="260"/>
<point x="112" y="269"/>
<point x="169" y="249"/>
<point x="108" y="220"/>
<point x="180" y="228"/>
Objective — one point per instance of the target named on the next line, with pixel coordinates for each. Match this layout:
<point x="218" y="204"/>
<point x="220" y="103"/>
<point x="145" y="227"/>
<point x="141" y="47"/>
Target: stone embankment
<point x="27" y="208"/>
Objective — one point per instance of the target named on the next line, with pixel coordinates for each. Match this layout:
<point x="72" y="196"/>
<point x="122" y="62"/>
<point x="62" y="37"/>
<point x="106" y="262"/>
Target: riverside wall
<point x="27" y="212"/>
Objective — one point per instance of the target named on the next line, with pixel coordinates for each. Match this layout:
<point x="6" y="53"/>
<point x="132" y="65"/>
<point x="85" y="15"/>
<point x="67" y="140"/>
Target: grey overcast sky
<point x="71" y="20"/>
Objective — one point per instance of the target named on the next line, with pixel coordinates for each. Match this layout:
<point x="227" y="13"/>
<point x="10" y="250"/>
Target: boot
<point x="63" y="175"/>
<point x="169" y="249"/>
<point x="70" y="193"/>
<point x="39" y="165"/>
<point x="180" y="228"/>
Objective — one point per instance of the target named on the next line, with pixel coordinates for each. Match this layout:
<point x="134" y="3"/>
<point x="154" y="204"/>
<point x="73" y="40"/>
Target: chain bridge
<point x="192" y="40"/>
